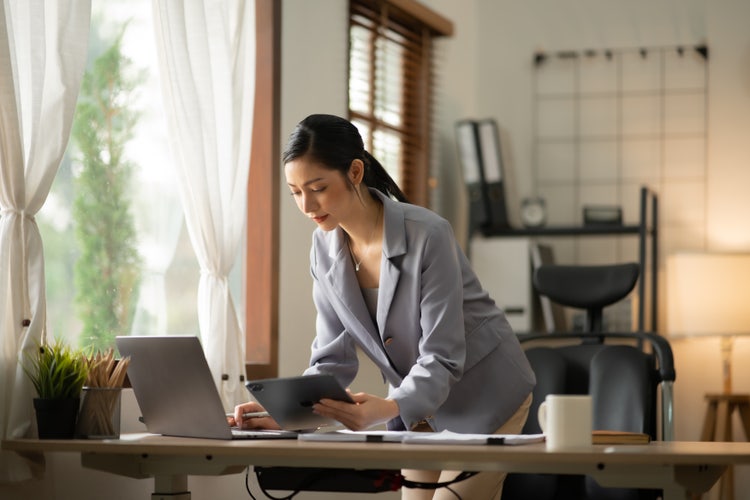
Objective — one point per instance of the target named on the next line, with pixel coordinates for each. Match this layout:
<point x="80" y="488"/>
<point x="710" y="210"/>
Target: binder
<point x="494" y="178"/>
<point x="468" y="149"/>
<point x="481" y="161"/>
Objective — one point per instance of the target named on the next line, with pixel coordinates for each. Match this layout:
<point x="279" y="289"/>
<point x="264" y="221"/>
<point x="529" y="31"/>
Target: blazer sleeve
<point x="333" y="350"/>
<point x="442" y="340"/>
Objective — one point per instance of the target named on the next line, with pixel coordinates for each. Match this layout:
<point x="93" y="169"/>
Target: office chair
<point x="591" y="288"/>
<point x="621" y="370"/>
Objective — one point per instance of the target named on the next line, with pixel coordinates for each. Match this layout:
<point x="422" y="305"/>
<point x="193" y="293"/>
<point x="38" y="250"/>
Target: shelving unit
<point x="647" y="232"/>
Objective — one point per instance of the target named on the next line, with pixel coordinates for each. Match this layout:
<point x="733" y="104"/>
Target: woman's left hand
<point x="367" y="410"/>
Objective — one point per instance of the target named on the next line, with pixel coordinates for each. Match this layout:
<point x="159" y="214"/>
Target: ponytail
<point x="377" y="177"/>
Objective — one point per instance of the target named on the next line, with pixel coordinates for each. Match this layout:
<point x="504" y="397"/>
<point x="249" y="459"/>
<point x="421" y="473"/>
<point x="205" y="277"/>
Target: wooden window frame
<point x="262" y="252"/>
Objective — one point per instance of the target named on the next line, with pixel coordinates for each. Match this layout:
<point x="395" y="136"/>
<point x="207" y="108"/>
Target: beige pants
<point x="483" y="486"/>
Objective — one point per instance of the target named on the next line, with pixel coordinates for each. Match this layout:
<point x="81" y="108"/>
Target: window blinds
<point x="390" y="87"/>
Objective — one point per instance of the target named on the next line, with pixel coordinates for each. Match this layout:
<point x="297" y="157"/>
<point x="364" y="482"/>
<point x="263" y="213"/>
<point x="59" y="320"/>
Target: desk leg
<point x="171" y="487"/>
<point x="692" y="478"/>
<point x="674" y="492"/>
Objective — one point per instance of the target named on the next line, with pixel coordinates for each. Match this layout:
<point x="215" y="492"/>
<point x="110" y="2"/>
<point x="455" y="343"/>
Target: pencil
<point x="252" y="414"/>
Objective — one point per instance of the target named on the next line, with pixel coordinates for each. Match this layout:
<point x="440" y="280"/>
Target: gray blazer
<point x="445" y="349"/>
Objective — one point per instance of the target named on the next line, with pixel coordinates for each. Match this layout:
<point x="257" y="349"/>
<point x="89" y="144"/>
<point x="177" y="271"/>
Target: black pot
<point x="56" y="418"/>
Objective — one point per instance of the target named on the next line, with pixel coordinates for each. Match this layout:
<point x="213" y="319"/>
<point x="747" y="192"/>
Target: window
<point x="118" y="166"/>
<point x="165" y="295"/>
<point x="390" y="85"/>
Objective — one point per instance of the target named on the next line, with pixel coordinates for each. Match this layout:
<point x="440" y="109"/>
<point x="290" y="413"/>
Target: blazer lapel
<point x="394" y="246"/>
<point x="344" y="282"/>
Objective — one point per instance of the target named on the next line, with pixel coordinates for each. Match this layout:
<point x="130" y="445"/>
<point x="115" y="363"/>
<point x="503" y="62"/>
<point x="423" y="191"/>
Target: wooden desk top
<point x="674" y="467"/>
<point x="395" y="455"/>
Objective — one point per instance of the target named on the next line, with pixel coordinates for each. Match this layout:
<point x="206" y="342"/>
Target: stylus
<point x="252" y="414"/>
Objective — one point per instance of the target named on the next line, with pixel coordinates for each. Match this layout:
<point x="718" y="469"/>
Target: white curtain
<point x="206" y="52"/>
<point x="43" y="48"/>
<point x="158" y="220"/>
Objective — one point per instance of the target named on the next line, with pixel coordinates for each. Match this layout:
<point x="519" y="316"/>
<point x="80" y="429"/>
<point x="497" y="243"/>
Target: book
<point x="619" y="437"/>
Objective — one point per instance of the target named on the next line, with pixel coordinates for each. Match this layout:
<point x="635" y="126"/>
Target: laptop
<point x="176" y="392"/>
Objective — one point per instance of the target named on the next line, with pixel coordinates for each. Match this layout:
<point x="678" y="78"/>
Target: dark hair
<point x="335" y="143"/>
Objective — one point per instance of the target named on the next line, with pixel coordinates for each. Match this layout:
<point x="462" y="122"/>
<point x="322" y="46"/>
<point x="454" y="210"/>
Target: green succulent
<point x="57" y="371"/>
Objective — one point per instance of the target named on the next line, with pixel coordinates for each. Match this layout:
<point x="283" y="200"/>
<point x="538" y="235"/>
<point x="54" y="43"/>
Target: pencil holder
<point x="99" y="417"/>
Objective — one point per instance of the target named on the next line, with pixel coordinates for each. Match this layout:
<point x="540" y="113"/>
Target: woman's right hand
<point x="251" y="422"/>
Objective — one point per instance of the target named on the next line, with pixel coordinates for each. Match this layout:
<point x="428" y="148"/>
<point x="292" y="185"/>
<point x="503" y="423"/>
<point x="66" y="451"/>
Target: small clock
<point x="533" y="212"/>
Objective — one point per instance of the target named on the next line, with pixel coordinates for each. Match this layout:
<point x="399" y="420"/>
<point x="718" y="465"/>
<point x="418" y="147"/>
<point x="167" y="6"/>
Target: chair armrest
<point x="661" y="346"/>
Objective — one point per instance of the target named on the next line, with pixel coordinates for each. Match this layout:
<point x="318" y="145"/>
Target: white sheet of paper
<point x="444" y="437"/>
<point x="448" y="437"/>
<point x="347" y="435"/>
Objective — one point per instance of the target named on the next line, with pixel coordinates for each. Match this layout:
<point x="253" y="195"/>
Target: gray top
<point x="371" y="301"/>
<point x="446" y="350"/>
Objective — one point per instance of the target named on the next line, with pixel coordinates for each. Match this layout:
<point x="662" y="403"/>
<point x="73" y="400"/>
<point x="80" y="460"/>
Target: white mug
<point x="566" y="421"/>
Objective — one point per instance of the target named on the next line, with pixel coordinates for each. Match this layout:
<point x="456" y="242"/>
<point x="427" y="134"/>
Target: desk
<point x="676" y="467"/>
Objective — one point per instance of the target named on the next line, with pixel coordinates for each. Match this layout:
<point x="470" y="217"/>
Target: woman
<point x="390" y="278"/>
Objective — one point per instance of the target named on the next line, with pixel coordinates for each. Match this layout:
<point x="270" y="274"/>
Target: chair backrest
<point x="587" y="287"/>
<point x="623" y="385"/>
<point x="621" y="379"/>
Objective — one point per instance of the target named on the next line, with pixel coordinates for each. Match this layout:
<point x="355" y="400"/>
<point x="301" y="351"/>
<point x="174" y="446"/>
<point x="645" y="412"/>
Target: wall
<point x="508" y="31"/>
<point x="314" y="80"/>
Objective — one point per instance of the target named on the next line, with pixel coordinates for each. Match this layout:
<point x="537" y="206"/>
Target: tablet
<point x="289" y="400"/>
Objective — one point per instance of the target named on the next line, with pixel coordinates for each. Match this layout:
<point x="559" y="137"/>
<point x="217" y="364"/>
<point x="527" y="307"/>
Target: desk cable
<point x="395" y="479"/>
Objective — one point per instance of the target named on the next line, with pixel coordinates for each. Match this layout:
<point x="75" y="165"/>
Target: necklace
<point x="358" y="263"/>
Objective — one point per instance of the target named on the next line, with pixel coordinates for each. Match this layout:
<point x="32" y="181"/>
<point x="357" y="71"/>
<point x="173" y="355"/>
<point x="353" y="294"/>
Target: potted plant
<point x="58" y="373"/>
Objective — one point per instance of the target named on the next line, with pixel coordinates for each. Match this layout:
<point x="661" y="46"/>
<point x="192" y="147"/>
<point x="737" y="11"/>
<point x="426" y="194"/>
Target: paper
<point x="357" y="436"/>
<point x="409" y="437"/>
<point x="448" y="437"/>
